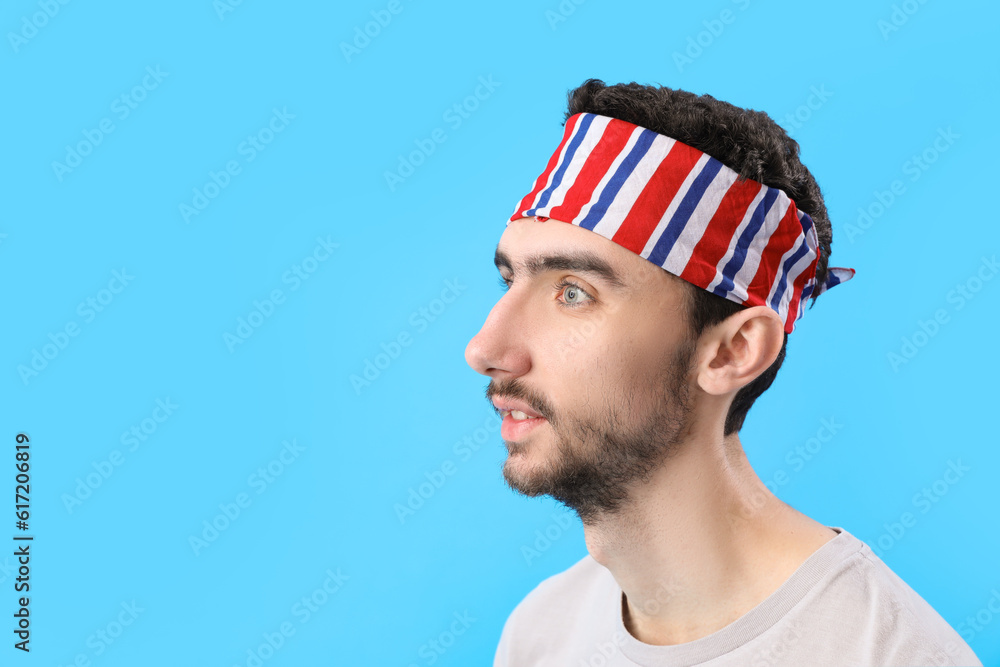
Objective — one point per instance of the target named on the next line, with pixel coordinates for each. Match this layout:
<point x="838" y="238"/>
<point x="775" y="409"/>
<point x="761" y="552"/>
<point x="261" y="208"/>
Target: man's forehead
<point x="531" y="246"/>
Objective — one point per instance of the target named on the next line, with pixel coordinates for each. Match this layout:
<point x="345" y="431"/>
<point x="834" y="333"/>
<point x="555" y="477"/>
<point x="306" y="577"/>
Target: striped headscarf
<point x="684" y="211"/>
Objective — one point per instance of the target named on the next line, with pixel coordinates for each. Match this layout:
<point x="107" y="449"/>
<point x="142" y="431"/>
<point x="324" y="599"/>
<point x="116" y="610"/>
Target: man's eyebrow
<point x="579" y="261"/>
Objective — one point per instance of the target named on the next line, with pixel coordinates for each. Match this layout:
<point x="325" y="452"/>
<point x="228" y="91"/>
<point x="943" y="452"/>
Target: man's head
<point x="623" y="360"/>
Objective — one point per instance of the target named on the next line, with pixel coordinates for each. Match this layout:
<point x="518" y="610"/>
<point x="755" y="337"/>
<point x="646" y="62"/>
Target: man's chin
<point x="524" y="477"/>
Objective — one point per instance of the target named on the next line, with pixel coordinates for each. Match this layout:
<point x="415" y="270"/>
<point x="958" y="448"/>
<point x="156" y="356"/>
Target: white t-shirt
<point x="843" y="606"/>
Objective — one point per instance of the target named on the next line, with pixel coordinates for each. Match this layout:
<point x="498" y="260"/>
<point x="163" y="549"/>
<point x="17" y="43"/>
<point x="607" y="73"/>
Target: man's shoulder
<point x="585" y="578"/>
<point x="874" y="604"/>
<point x="843" y="602"/>
<point x="558" y="614"/>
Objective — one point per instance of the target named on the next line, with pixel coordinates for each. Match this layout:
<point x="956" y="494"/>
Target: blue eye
<point x="573" y="294"/>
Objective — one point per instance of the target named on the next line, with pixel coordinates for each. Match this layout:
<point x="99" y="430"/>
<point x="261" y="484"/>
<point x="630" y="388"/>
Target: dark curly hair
<point x="746" y="141"/>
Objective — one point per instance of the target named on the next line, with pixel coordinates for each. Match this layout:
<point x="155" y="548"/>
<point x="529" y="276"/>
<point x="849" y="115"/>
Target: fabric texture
<point x="842" y="607"/>
<point x="684" y="211"/>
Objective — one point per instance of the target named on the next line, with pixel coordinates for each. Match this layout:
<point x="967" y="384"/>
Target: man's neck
<point x="701" y="543"/>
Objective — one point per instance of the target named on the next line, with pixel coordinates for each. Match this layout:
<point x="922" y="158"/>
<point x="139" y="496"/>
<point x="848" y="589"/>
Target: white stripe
<point x="580" y="157"/>
<point x="607" y="176"/>
<point x="757" y="246"/>
<point x="634" y="183"/>
<point x="689" y="237"/>
<point x="735" y="237"/>
<point x="596" y="195"/>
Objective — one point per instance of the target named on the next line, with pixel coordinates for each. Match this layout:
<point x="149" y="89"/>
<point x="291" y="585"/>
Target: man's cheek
<point x="586" y="332"/>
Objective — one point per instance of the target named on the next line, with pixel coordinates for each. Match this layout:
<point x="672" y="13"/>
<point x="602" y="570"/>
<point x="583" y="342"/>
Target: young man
<point x="654" y="273"/>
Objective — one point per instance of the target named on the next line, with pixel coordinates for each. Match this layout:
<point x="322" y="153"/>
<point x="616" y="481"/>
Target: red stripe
<point x="793" y="305"/>
<point x="540" y="182"/>
<point x="714" y="243"/>
<point x="597" y="164"/>
<point x="782" y="240"/>
<point x="656" y="196"/>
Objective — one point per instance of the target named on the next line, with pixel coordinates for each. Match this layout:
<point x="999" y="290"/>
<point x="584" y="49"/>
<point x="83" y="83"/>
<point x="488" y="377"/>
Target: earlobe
<point x="737" y="350"/>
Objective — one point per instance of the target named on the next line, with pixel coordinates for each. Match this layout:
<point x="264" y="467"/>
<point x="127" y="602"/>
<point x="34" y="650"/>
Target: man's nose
<point x="499" y="349"/>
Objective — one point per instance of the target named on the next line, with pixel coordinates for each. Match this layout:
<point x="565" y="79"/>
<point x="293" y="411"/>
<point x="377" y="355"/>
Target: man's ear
<point x="734" y="352"/>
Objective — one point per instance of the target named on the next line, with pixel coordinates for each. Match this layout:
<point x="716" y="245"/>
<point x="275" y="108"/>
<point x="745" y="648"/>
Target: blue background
<point x="362" y="448"/>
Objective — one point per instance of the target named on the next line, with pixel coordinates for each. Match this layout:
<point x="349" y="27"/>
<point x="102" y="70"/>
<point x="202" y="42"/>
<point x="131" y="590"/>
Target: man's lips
<point x="519" y="419"/>
<point x="507" y="405"/>
<point x="513" y="429"/>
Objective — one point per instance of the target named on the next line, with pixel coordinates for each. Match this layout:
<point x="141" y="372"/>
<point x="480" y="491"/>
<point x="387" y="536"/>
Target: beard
<point x="600" y="456"/>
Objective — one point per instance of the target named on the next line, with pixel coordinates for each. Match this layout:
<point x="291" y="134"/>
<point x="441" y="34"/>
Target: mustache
<point x="514" y="388"/>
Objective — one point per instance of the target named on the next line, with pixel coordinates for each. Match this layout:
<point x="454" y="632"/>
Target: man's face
<point x="591" y="341"/>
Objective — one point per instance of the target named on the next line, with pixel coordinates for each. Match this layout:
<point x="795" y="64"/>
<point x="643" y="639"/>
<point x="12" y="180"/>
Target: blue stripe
<point x="807" y="222"/>
<point x="833" y="278"/>
<point x="785" y="268"/>
<point x="625" y="169"/>
<point x="675" y="225"/>
<point x="739" y="257"/>
<point x="581" y="132"/>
